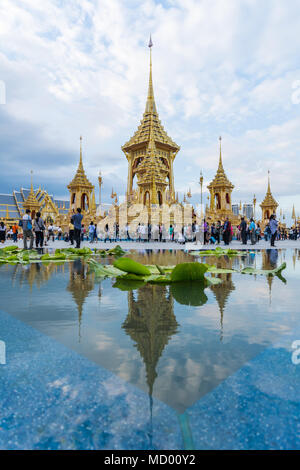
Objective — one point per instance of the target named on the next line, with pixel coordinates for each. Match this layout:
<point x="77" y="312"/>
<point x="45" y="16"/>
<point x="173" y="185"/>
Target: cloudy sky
<point x="219" y="68"/>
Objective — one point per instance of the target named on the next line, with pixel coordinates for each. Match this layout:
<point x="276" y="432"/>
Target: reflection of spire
<point x="269" y="261"/>
<point x="150" y="323"/>
<point x="222" y="291"/>
<point x="80" y="285"/>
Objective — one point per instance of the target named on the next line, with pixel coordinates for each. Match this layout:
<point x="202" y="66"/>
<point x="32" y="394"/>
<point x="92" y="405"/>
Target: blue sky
<point x="219" y="68"/>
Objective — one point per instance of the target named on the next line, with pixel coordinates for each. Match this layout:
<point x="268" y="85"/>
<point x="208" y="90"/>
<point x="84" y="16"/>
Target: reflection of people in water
<point x="273" y="257"/>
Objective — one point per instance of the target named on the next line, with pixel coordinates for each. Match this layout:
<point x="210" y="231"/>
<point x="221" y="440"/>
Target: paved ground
<point x="169" y="246"/>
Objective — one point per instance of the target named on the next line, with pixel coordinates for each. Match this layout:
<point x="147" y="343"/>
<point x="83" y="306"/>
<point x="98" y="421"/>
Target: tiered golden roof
<point x="220" y="179"/>
<point x="80" y="179"/>
<point x="151" y="168"/>
<point x="31" y="202"/>
<point x="269" y="200"/>
<point x="150" y="124"/>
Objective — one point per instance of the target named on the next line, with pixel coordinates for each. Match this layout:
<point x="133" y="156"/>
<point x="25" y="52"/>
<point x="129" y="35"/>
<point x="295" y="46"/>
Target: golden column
<point x="294" y="215"/>
<point x="100" y="181"/>
<point x="254" y="204"/>
<point x="201" y="187"/>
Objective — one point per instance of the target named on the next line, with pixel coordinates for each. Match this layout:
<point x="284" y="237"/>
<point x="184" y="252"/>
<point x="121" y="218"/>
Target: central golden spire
<point x="150" y="153"/>
<point x="150" y="104"/>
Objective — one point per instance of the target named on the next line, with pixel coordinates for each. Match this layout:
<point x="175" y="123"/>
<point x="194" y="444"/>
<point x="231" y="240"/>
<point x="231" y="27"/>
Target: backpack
<point x="29" y="225"/>
<point x="20" y="223"/>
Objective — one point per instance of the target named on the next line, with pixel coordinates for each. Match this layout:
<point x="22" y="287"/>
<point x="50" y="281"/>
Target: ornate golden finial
<point x="80" y="159"/>
<point x="31" y="184"/>
<point x="150" y="105"/>
<point x="269" y="185"/>
<point x="220" y="159"/>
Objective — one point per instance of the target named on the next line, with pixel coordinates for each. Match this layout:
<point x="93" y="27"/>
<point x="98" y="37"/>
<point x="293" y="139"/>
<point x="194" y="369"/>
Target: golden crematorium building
<point x="150" y="154"/>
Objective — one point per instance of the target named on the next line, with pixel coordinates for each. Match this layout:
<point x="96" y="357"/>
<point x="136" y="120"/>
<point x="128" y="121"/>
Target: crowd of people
<point x="35" y="230"/>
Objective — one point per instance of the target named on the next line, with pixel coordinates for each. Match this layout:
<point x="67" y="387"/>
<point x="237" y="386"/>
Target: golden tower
<point x="81" y="190"/>
<point x="31" y="202"/>
<point x="150" y="154"/>
<point x="220" y="193"/>
<point x="269" y="205"/>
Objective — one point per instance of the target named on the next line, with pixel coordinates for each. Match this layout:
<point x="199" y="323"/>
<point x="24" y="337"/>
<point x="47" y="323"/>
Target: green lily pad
<point x="116" y="251"/>
<point x="10" y="248"/>
<point x="215" y="270"/>
<point x="212" y="281"/>
<point x="188" y="272"/>
<point x="130" y="266"/>
<point x="265" y="272"/>
<point x="104" y="271"/>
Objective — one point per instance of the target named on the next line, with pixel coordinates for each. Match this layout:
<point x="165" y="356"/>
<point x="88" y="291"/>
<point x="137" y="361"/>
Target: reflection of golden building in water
<point x="80" y="285"/>
<point x="222" y="291"/>
<point x="150" y="323"/>
<point x="35" y="273"/>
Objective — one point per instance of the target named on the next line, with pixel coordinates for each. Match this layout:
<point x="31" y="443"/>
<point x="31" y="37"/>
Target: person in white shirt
<point x="50" y="232"/>
<point x="2" y="232"/>
<point x="27" y="229"/>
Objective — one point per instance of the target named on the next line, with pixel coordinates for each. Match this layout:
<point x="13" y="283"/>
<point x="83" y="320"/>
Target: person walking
<point x="50" y="232"/>
<point x="273" y="227"/>
<point x="2" y="232"/>
<point x="27" y="229"/>
<point x="171" y="233"/>
<point x="226" y="231"/>
<point x="76" y="221"/>
<point x="95" y="235"/>
<point x="243" y="229"/>
<point x="39" y="228"/>
<point x="15" y="233"/>
<point x="91" y="232"/>
<point x="205" y="230"/>
<point x="252" y="229"/>
<point x="71" y="232"/>
<point x="218" y="232"/>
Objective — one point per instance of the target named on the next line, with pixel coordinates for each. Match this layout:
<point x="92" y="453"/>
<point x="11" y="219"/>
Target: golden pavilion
<point x="269" y="204"/>
<point x="150" y="154"/>
<point x="220" y="190"/>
